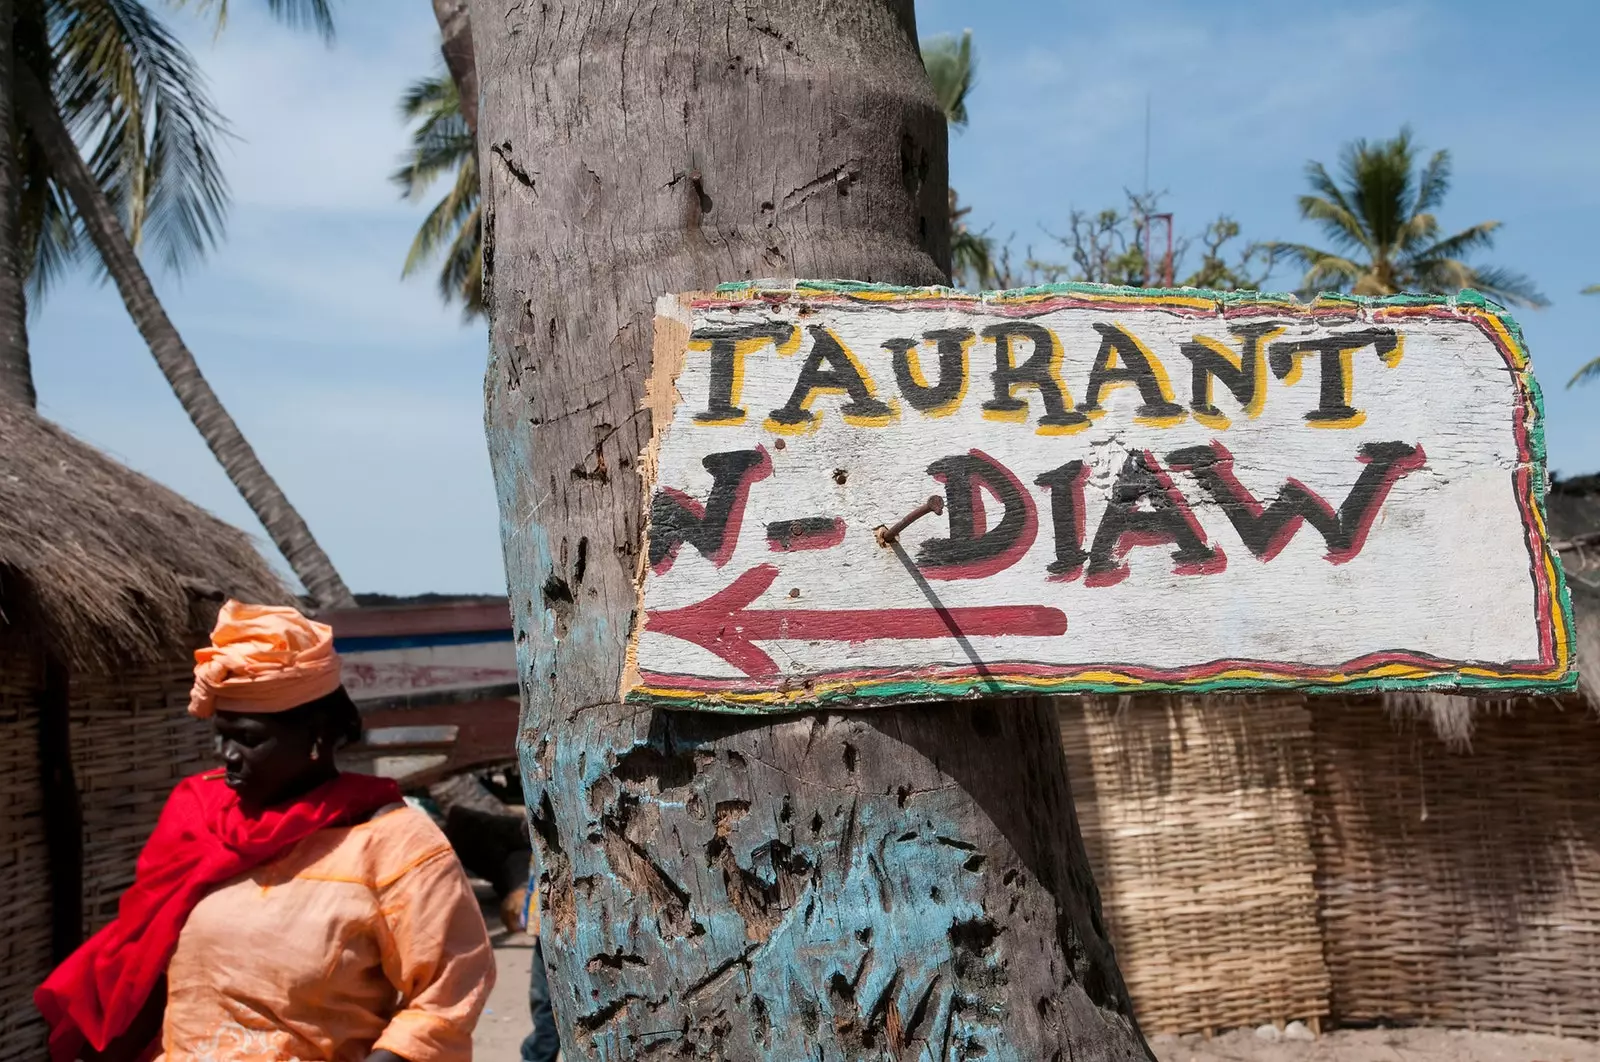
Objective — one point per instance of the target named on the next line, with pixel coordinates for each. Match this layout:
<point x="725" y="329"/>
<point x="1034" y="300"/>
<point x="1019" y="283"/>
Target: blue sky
<point x="362" y="392"/>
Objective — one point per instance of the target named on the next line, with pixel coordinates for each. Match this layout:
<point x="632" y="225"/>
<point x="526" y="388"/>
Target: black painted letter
<point x="712" y="528"/>
<point x="1137" y="367"/>
<point x="1038" y="372"/>
<point x="1265" y="531"/>
<point x="973" y="549"/>
<point x="829" y="369"/>
<point x="728" y="348"/>
<point x="1167" y="520"/>
<point x="1244" y="379"/>
<point x="940" y="398"/>
<point x="1333" y="404"/>
<point x="1065" y="485"/>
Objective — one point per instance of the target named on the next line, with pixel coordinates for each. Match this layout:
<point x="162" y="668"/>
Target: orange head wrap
<point x="263" y="659"/>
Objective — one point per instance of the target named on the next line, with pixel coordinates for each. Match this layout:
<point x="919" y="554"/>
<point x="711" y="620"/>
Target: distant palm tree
<point x="953" y="69"/>
<point x="1591" y="368"/>
<point x="107" y="74"/>
<point x="441" y="145"/>
<point x="1379" y="217"/>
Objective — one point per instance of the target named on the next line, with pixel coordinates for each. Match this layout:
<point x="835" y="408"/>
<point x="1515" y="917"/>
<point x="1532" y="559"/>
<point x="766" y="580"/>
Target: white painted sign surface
<point x="1143" y="491"/>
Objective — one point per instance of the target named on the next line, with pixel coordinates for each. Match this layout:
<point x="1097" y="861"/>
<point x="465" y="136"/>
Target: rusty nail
<point x="886" y="535"/>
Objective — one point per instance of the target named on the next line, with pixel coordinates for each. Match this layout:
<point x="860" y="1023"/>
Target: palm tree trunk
<point x="455" y="27"/>
<point x="900" y="883"/>
<point x="284" y="525"/>
<point x="16" y="371"/>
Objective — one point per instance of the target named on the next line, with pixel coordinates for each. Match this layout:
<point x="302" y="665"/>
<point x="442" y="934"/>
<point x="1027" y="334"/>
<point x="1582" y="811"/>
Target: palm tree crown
<point x="1379" y="218"/>
<point x="440" y="144"/>
<point x="136" y="103"/>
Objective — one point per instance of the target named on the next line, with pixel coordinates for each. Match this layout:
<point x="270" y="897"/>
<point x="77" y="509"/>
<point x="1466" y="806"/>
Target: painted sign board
<point x="1142" y="490"/>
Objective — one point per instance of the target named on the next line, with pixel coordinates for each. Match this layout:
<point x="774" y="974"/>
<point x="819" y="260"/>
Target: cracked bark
<point x="894" y="884"/>
<point x="455" y="44"/>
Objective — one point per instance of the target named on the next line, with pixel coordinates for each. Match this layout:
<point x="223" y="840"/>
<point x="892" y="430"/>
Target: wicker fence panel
<point x="132" y="741"/>
<point x="1463" y="888"/>
<point x="1195" y="815"/>
<point x="24" y="863"/>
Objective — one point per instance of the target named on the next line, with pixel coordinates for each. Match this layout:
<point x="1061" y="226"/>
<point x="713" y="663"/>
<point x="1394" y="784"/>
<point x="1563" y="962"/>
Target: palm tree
<point x="16" y="370"/>
<point x="442" y="144"/>
<point x="953" y="69"/>
<point x="1379" y="217"/>
<point x="107" y="71"/>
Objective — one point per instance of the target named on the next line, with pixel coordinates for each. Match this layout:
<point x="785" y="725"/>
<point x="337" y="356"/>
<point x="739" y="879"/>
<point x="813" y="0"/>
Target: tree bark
<point x="893" y="884"/>
<point x="16" y="370"/>
<point x="455" y="28"/>
<point x="284" y="525"/>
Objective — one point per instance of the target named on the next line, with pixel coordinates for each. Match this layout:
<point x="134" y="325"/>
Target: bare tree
<point x="905" y="883"/>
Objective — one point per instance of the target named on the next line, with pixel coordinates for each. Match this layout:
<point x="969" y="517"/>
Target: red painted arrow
<point x="723" y="625"/>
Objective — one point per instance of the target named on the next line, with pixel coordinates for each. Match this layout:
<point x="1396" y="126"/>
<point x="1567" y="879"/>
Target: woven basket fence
<point x="1460" y="888"/>
<point x="1195" y="815"/>
<point x="24" y="864"/>
<point x="132" y="740"/>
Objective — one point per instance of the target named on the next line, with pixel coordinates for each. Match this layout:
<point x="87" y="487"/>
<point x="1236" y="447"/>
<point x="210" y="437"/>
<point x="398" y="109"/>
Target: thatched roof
<point x="102" y="566"/>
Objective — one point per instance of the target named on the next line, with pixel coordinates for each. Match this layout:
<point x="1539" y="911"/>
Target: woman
<point x="281" y="910"/>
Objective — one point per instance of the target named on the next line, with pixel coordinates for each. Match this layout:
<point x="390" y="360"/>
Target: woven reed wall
<point x="132" y="740"/>
<point x="1196" y="818"/>
<point x="1461" y="889"/>
<point x="24" y="864"/>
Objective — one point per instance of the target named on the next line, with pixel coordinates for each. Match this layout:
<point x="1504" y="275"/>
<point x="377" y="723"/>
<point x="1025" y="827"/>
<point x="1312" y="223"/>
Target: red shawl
<point x="203" y="838"/>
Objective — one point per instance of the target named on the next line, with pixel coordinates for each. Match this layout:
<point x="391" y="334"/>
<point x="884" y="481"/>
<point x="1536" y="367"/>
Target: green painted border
<point x="910" y="691"/>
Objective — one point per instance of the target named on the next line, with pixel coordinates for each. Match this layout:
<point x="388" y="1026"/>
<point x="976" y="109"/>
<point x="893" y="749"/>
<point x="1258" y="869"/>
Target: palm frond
<point x="137" y="104"/>
<point x="441" y="141"/>
<point x="1324" y="270"/>
<point x="1327" y="188"/>
<point x="1506" y="286"/>
<point x="1433" y="183"/>
<point x="441" y="227"/>
<point x="452" y="230"/>
<point x="1588" y="372"/>
<point x="315" y="14"/>
<point x="462" y="274"/>
<point x="1338" y="222"/>
<point x="1379" y="185"/>
<point x="953" y="69"/>
<point x="1479" y="237"/>
<point x="1592" y="289"/>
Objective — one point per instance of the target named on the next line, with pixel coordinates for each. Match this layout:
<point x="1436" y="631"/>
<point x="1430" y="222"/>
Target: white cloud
<point x="318" y="127"/>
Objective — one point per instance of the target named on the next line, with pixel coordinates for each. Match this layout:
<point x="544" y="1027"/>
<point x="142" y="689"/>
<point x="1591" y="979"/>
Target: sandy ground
<point x="1376" y="1045"/>
<point x="505" y="1022"/>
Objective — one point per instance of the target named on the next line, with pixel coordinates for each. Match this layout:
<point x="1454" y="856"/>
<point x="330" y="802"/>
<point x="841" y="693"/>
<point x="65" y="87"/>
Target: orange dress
<point x="360" y="938"/>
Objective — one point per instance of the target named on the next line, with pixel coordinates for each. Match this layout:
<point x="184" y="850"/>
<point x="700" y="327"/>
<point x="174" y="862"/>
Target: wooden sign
<point x="1140" y="491"/>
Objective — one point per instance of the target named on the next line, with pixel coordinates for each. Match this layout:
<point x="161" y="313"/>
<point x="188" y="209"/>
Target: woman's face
<point x="267" y="758"/>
